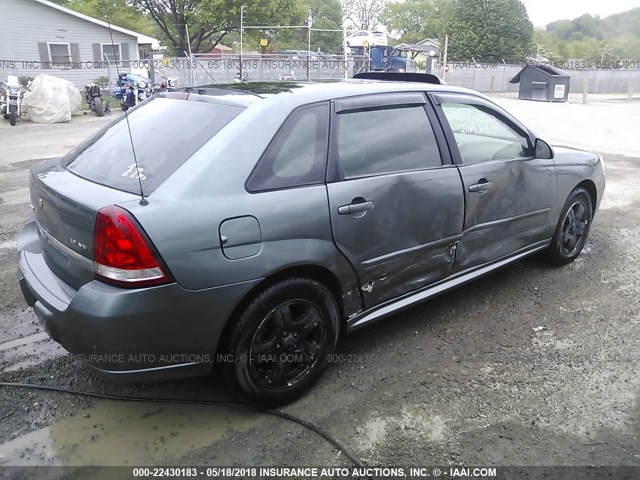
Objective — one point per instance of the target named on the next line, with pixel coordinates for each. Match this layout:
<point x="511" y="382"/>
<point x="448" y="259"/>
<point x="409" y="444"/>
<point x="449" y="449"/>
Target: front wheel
<point x="572" y="229"/>
<point x="97" y="103"/>
<point x="13" y="113"/>
<point x="282" y="341"/>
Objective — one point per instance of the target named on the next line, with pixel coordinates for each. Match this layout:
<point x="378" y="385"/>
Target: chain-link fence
<point x="210" y="68"/>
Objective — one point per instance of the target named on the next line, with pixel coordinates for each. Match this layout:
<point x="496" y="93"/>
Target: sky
<point x="542" y="12"/>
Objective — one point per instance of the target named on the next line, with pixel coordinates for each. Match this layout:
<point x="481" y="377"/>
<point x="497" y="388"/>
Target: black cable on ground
<point x="239" y="406"/>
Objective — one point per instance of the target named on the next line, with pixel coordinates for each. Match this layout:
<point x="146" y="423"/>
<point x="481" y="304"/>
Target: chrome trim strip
<point x="147" y="370"/>
<point x="432" y="290"/>
<point x="64" y="249"/>
<point x="388" y="256"/>
<point x="496" y="223"/>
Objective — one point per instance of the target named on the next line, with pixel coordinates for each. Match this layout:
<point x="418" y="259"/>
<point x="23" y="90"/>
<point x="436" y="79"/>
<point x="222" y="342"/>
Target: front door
<point x="509" y="193"/>
<point x="397" y="207"/>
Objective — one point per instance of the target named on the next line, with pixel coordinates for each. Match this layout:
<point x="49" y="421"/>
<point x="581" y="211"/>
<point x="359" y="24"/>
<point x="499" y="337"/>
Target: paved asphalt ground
<point x="467" y="378"/>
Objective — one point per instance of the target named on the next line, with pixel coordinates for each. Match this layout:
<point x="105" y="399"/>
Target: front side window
<point x="386" y="140"/>
<point x="298" y="154"/>
<point x="483" y="136"/>
<point x="59" y="53"/>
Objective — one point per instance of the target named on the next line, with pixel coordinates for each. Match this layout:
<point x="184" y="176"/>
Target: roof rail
<point x="401" y="77"/>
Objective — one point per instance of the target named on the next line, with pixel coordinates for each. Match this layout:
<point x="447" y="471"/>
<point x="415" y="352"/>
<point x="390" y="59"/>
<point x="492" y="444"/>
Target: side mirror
<point x="543" y="150"/>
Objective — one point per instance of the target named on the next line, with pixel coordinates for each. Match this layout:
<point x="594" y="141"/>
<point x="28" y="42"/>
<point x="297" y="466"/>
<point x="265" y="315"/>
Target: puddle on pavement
<point x="126" y="433"/>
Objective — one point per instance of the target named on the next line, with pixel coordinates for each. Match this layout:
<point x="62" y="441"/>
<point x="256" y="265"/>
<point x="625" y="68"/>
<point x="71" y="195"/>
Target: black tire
<point x="13" y="113"/>
<point x="572" y="229"/>
<point x="282" y="341"/>
<point x="97" y="103"/>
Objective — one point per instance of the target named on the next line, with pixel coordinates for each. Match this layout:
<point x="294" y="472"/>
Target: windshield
<point x="161" y="145"/>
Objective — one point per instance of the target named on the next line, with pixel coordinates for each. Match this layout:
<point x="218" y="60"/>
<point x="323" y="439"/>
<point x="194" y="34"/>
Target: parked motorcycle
<point x="93" y="96"/>
<point x="3" y="99"/>
<point x="169" y="84"/>
<point x="132" y="89"/>
<point x="11" y="103"/>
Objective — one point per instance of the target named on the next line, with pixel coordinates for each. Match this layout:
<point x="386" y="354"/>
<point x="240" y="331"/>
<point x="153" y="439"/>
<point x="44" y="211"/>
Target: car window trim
<point x="369" y="101"/>
<point x="437" y="99"/>
<point x="275" y="138"/>
<point x="377" y="100"/>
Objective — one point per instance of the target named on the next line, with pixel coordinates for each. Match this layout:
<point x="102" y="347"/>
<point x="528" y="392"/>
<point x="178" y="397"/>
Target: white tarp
<point x="52" y="100"/>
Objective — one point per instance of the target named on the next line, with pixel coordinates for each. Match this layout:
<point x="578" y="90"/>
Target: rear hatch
<point x="65" y="207"/>
<point x="67" y="194"/>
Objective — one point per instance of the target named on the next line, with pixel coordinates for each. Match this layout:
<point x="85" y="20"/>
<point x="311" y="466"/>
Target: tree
<point x="364" y="14"/>
<point x="326" y="14"/>
<point x="415" y="20"/>
<point x="594" y="39"/>
<point x="489" y="30"/>
<point x="545" y="45"/>
<point x="202" y="19"/>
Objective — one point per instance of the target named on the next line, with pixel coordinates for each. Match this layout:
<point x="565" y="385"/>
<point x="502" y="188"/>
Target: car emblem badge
<point x="41" y="203"/>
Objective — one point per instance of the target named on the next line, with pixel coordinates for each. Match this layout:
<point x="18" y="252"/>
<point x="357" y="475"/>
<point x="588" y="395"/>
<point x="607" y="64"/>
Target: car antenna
<point x="143" y="200"/>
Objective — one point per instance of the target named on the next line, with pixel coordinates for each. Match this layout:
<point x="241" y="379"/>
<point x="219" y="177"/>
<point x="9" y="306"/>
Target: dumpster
<point x="542" y="83"/>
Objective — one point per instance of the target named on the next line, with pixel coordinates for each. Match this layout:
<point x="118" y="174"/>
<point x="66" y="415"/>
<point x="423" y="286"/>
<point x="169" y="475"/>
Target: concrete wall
<point x="27" y="26"/>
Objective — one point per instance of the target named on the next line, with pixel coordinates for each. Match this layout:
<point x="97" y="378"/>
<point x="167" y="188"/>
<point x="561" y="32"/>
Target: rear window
<point x="166" y="132"/>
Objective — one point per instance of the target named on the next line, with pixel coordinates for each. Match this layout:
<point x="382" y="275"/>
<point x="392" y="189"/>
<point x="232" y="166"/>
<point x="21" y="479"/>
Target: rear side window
<point x="166" y="132"/>
<point x="298" y="154"/>
<point x="386" y="140"/>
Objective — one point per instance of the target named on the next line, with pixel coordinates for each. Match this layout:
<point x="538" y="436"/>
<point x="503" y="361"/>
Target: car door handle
<point x="481" y="186"/>
<point x="355" y="208"/>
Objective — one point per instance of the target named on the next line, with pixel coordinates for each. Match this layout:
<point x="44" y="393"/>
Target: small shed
<point x="542" y="83"/>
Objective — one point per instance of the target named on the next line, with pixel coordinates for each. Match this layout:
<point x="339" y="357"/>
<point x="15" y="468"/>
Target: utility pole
<point x="345" y="65"/>
<point x="600" y="69"/>
<point x="309" y="24"/>
<point x="241" y="32"/>
<point x="186" y="27"/>
<point x="444" y="60"/>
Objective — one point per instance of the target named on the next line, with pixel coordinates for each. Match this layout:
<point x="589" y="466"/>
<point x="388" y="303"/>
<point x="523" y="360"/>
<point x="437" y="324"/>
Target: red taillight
<point x="122" y="253"/>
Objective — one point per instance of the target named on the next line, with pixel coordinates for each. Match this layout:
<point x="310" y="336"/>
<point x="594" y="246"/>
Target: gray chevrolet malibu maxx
<point x="257" y="223"/>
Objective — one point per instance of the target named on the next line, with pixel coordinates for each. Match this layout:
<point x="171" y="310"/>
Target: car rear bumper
<point x="130" y="334"/>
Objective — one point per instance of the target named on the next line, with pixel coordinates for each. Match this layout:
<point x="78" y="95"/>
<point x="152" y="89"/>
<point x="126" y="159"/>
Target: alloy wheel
<point x="573" y="227"/>
<point x="287" y="344"/>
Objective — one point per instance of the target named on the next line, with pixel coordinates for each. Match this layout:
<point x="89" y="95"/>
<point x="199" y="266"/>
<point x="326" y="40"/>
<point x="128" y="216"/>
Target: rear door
<point x="509" y="192"/>
<point x="396" y="200"/>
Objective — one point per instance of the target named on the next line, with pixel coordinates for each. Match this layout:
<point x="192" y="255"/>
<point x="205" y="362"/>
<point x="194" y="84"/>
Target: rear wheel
<point x="282" y="341"/>
<point x="13" y="113"/>
<point x="572" y="229"/>
<point x="97" y="102"/>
